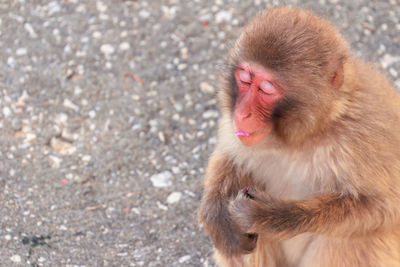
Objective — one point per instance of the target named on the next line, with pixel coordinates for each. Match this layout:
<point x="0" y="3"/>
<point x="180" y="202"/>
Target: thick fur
<point x="325" y="184"/>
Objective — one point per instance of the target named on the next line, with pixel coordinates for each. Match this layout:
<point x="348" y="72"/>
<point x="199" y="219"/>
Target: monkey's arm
<point x="326" y="213"/>
<point x="221" y="184"/>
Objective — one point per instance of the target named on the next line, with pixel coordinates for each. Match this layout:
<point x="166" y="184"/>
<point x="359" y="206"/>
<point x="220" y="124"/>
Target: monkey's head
<point x="285" y="73"/>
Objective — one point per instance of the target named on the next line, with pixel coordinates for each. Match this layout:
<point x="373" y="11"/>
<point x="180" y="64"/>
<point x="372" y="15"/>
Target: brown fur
<point x="326" y="182"/>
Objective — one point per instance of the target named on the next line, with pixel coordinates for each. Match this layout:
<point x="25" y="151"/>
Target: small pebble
<point x="144" y="14"/>
<point x="68" y="104"/>
<point x="388" y="60"/>
<point x="107" y="49"/>
<point x="184" y="258"/>
<point x="53" y="7"/>
<point x="124" y="46"/>
<point x="184" y="53"/>
<point x="174" y="197"/>
<point x="161" y="136"/>
<point x="28" y="27"/>
<point x="96" y="35"/>
<point x="21" y="51"/>
<point x="6" y="111"/>
<point x="205" y="87"/>
<point x="210" y="114"/>
<point x="55" y="161"/>
<point x="92" y="114"/>
<point x="223" y="16"/>
<point x="16" y="258"/>
<point x="86" y="158"/>
<point x="161" y="206"/>
<point x="101" y="7"/>
<point x="176" y="170"/>
<point x="162" y="179"/>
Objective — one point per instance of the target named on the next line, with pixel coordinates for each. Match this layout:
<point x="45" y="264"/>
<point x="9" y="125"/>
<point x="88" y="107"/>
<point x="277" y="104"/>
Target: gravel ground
<point x="108" y="116"/>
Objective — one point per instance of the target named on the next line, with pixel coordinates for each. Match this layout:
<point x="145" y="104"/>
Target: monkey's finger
<point x="252" y="235"/>
<point x="249" y="242"/>
<point x="250" y="192"/>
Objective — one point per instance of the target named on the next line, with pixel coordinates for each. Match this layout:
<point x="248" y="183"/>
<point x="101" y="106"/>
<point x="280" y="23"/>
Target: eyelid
<point x="267" y="87"/>
<point x="244" y="76"/>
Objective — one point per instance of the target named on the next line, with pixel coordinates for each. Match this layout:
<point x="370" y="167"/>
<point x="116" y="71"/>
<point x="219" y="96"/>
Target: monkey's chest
<point x="293" y="179"/>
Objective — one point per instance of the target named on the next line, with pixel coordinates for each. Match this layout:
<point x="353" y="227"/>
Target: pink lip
<point x="241" y="133"/>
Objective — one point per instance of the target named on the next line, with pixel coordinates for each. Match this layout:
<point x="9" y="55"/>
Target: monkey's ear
<point x="338" y="77"/>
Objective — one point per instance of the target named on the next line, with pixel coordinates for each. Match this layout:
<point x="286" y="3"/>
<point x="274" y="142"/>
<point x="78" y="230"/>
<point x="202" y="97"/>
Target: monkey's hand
<point x="226" y="234"/>
<point x="256" y="212"/>
<point x="245" y="208"/>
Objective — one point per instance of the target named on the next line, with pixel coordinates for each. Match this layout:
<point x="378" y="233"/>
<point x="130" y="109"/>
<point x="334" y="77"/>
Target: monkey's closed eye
<point x="267" y="88"/>
<point x="244" y="76"/>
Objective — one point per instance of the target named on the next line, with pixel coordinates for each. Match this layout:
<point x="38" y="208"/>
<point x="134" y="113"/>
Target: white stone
<point x="107" y="49"/>
<point x="169" y="12"/>
<point x="86" y="158"/>
<point x="92" y="114"/>
<point x="205" y="87"/>
<point x="24" y="96"/>
<point x="6" y="111"/>
<point x="96" y="35"/>
<point x="223" y="16"/>
<point x="16" y="258"/>
<point x="161" y="206"/>
<point x="184" y="53"/>
<point x="21" y="51"/>
<point x="101" y="7"/>
<point x="28" y="27"/>
<point x="55" y="161"/>
<point x="210" y="114"/>
<point x="144" y="14"/>
<point x="53" y="7"/>
<point x="397" y="84"/>
<point x="123" y="34"/>
<point x="136" y="127"/>
<point x="161" y="136"/>
<point x="393" y="72"/>
<point x="176" y="170"/>
<point x="30" y="137"/>
<point x="182" y="66"/>
<point x="77" y="90"/>
<point x="184" y="258"/>
<point x="174" y="197"/>
<point x="67" y="49"/>
<point x="136" y="211"/>
<point x="61" y="118"/>
<point x="388" y="60"/>
<point x="11" y="62"/>
<point x="124" y="46"/>
<point x="69" y="104"/>
<point x="162" y="179"/>
<point x="7" y="237"/>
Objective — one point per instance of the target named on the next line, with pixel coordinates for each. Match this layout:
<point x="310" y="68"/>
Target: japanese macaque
<point x="306" y="170"/>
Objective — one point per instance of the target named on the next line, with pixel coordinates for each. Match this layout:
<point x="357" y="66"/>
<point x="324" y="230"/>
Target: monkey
<point x="306" y="168"/>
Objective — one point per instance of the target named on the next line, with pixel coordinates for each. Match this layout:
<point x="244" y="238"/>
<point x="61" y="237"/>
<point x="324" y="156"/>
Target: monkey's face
<point x="257" y="92"/>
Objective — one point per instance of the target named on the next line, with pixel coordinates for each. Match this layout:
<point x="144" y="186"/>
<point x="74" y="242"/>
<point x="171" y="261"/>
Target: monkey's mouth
<point x="243" y="133"/>
<point x="240" y="133"/>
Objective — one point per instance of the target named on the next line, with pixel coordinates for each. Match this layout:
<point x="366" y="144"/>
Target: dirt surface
<point x="108" y="116"/>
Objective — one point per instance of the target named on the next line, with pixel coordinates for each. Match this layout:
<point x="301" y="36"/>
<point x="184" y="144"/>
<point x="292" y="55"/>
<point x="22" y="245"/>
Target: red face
<point x="258" y="92"/>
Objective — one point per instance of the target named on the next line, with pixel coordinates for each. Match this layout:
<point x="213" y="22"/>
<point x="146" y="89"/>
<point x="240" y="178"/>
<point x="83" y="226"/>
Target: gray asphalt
<point x="108" y="115"/>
